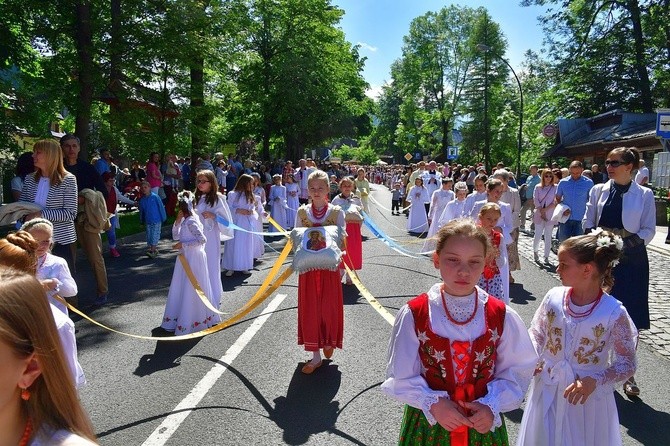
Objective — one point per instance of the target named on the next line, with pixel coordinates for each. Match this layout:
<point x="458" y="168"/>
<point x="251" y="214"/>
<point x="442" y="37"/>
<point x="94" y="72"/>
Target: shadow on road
<point x="644" y="423"/>
<point x="519" y="295"/>
<point x="166" y="355"/>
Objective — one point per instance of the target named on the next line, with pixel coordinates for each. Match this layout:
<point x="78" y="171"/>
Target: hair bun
<point x="23" y="240"/>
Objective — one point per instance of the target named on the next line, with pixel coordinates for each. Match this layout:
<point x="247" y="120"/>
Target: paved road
<point x="244" y="386"/>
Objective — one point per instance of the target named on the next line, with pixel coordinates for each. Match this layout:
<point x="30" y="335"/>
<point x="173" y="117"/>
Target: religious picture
<point x="316" y="241"/>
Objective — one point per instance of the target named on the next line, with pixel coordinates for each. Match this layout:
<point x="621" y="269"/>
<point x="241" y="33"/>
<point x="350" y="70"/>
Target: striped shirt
<point x="61" y="207"/>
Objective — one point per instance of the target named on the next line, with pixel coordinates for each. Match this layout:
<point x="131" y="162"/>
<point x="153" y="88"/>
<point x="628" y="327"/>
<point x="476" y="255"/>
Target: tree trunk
<point x="83" y="40"/>
<point x="640" y="60"/>
<point x="200" y="120"/>
<point x="115" y="57"/>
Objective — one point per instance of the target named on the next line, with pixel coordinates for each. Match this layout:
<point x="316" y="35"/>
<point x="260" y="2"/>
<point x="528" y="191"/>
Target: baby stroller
<point x="132" y="191"/>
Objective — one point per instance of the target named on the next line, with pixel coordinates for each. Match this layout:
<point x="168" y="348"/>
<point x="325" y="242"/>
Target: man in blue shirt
<point x="573" y="191"/>
<point x="532" y="181"/>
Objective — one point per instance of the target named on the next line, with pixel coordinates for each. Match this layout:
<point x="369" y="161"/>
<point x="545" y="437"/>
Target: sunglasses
<point x="203" y="181"/>
<point x="548" y="175"/>
<point x="614" y="163"/>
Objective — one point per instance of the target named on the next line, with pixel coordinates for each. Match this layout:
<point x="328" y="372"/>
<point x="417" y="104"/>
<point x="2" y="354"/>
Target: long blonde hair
<point x="27" y="326"/>
<point x="55" y="170"/>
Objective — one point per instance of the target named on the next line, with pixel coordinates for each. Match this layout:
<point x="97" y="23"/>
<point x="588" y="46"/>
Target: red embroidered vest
<point x="475" y="363"/>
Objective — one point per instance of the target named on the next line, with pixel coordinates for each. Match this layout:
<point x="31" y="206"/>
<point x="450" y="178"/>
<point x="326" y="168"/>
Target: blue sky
<point x="379" y="26"/>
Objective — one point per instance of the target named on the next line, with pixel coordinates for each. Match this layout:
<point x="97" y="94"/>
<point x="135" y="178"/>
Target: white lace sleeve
<point x="403" y="371"/>
<point x="622" y="342"/>
<point x="176" y="231"/>
<point x="538" y="326"/>
<point x="196" y="232"/>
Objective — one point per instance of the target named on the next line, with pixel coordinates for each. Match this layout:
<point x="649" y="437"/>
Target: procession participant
<point x="478" y="194"/>
<point x="210" y="205"/>
<point x="418" y="218"/>
<point x="624" y="207"/>
<point x="302" y="176"/>
<point x="438" y="202"/>
<point x="352" y="206"/>
<point x="261" y="201"/>
<point x="40" y="405"/>
<point x="238" y="253"/>
<point x="490" y="280"/>
<point x="442" y="337"/>
<point x="363" y="189"/>
<point x="292" y="202"/>
<point x="184" y="311"/>
<point x="278" y="203"/>
<point x="511" y="196"/>
<point x="544" y="202"/>
<point x="320" y="304"/>
<point x="586" y="342"/>
<point x="455" y="208"/>
<point x="432" y="179"/>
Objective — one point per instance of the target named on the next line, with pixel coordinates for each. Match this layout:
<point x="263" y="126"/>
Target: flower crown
<point x="605" y="241"/>
<point x="185" y="196"/>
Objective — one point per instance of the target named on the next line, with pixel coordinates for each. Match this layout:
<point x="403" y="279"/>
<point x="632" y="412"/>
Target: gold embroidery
<point x="596" y="345"/>
<point x="554" y="334"/>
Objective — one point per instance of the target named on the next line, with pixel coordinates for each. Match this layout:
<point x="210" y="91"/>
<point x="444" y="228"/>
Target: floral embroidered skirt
<point x="416" y="431"/>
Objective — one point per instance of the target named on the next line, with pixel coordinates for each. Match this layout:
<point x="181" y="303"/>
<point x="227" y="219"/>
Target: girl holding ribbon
<point x="586" y="341"/>
<point x="184" y="310"/>
<point x="239" y="251"/>
<point x="458" y="356"/>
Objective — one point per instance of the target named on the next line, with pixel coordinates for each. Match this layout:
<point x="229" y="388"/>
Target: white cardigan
<point x="639" y="210"/>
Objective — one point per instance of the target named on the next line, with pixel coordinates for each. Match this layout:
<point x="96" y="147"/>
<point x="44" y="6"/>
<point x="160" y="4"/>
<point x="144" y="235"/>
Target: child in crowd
<point x="491" y="280"/>
<point x="397" y="195"/>
<point x="458" y="357"/>
<point x="278" y="203"/>
<point x="363" y="189"/>
<point x="455" y="208"/>
<point x="152" y="215"/>
<point x="586" y="341"/>
<point x="418" y="218"/>
<point x="352" y="207"/>
<point x="114" y="196"/>
<point x="238" y="254"/>
<point x="292" y="200"/>
<point x="261" y="201"/>
<point x="320" y="304"/>
<point x="184" y="311"/>
<point x="478" y="194"/>
<point x="334" y="187"/>
<point x="52" y="271"/>
<point x="544" y="198"/>
<point x="438" y="201"/>
<point x="211" y="204"/>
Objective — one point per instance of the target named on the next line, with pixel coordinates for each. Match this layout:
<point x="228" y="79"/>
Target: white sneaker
<point x="229" y="273"/>
<point x="246" y="272"/>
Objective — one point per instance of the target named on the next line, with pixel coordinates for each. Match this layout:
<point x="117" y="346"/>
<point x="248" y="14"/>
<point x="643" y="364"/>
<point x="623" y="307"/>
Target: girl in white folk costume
<point x="184" y="311"/>
<point x="418" y="218"/>
<point x="292" y="200"/>
<point x="438" y="202"/>
<point x="278" y="203"/>
<point x="238" y="253"/>
<point x="210" y="204"/>
<point x="586" y="342"/>
<point x="478" y="194"/>
<point x="455" y="208"/>
<point x="261" y="201"/>
<point x="52" y="271"/>
<point x="320" y="303"/>
<point x="458" y="357"/>
<point x="352" y="207"/>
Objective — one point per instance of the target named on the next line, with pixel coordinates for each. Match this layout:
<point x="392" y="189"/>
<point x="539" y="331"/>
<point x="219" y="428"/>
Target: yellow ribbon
<point x="196" y="286"/>
<point x="369" y="297"/>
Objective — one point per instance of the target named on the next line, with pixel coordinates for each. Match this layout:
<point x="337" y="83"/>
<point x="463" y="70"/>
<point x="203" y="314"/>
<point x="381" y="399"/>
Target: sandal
<point x="309" y="368"/>
<point x="630" y="388"/>
<point x="328" y="352"/>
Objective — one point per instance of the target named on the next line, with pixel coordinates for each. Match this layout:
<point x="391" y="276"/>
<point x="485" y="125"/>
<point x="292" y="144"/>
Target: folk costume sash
<point x="461" y="368"/>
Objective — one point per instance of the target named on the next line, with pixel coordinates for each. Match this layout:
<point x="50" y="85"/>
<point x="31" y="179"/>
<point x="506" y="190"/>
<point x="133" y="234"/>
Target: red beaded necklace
<point x="585" y="313"/>
<point x="450" y="317"/>
<point x="318" y="215"/>
<point x="27" y="432"/>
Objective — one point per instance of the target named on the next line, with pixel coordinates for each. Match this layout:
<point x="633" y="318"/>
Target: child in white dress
<point x="211" y="205"/>
<point x="458" y="357"/>
<point x="184" y="310"/>
<point x="418" y="218"/>
<point x="238" y="253"/>
<point x="261" y="202"/>
<point x="278" y="203"/>
<point x="292" y="200"/>
<point x="52" y="271"/>
<point x="586" y="342"/>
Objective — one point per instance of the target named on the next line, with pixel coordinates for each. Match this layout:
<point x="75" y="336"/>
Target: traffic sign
<point x="417" y="155"/>
<point x="452" y="152"/>
<point x="408" y="156"/>
<point x="549" y="131"/>
<point x="663" y="123"/>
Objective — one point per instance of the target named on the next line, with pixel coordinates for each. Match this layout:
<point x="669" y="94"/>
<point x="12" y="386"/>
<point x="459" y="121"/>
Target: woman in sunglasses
<point x="627" y="209"/>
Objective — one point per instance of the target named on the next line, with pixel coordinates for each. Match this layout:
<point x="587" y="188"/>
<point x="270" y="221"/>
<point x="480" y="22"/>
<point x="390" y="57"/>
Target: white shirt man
<point x="432" y="179"/>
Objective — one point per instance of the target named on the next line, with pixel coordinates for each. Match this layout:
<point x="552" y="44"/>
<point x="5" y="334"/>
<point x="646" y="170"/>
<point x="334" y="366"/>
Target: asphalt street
<point x="243" y="385"/>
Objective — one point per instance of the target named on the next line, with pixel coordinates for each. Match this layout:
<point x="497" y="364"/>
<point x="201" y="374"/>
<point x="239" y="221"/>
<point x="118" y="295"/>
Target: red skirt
<point x="320" y="310"/>
<point x="354" y="255"/>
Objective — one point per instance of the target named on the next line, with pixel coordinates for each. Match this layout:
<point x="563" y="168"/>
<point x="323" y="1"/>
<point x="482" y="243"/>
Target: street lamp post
<point x="487" y="49"/>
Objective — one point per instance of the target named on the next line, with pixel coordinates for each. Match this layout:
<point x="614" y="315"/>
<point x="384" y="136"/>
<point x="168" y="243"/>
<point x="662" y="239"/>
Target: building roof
<point x="576" y="136"/>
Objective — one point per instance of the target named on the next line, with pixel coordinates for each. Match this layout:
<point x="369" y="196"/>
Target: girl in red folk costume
<point x="458" y="356"/>
<point x="491" y="280"/>
<point x="320" y="305"/>
<point x="352" y="207"/>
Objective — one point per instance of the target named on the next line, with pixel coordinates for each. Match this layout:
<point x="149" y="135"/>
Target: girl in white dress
<point x="292" y="200"/>
<point x="278" y="203"/>
<point x="184" y="311"/>
<point x="478" y="194"/>
<point x="418" y="218"/>
<point x="438" y="201"/>
<point x="238" y="254"/>
<point x="586" y="342"/>
<point x="261" y="201"/>
<point x="455" y="208"/>
<point x="52" y="271"/>
<point x="458" y="357"/>
<point x="210" y="204"/>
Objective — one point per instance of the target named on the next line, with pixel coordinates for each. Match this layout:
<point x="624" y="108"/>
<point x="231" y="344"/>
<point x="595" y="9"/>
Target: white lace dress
<point x="514" y="364"/>
<point x="184" y="311"/>
<point x="418" y="219"/>
<point x="238" y="253"/>
<point x="292" y="203"/>
<point x="438" y="202"/>
<point x="278" y="207"/>
<point x="600" y="345"/>
<point x="215" y="233"/>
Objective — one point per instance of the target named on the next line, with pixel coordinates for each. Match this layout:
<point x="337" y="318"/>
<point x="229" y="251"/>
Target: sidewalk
<point x="658" y="335"/>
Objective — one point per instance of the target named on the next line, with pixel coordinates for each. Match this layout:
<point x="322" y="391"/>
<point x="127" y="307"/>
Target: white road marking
<point x="170" y="425"/>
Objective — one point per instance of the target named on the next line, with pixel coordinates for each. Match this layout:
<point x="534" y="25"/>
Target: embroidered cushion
<point x="316" y="248"/>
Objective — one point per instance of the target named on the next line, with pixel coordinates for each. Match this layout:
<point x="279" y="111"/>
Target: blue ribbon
<point x="233" y="226"/>
<point x="388" y="241"/>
